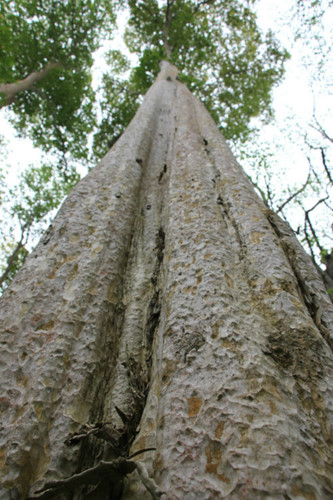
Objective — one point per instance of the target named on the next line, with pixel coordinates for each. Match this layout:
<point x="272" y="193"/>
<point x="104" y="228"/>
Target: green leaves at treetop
<point x="52" y="43"/>
<point x="219" y="50"/>
<point x="222" y="56"/>
<point x="118" y="105"/>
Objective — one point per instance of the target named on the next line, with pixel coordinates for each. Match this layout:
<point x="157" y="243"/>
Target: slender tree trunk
<point x="168" y="308"/>
<point x="166" y="30"/>
<point x="10" y="90"/>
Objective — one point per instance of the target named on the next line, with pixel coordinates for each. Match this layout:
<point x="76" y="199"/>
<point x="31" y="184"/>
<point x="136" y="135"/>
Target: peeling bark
<point x="168" y="306"/>
<point x="10" y="90"/>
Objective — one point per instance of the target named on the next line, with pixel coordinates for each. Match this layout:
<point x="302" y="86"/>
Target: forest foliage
<point x="47" y="48"/>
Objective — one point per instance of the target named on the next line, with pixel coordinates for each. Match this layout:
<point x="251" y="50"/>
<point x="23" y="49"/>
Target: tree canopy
<point x="221" y="54"/>
<point x="46" y="54"/>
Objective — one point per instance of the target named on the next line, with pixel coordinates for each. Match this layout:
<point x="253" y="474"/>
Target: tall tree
<point x="167" y="311"/>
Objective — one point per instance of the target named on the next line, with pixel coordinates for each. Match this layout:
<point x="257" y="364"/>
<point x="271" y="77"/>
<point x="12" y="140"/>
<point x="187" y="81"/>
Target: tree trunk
<point x="168" y="305"/>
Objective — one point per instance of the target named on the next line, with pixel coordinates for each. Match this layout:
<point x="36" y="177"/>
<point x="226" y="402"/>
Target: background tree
<point x="32" y="203"/>
<point x="46" y="54"/>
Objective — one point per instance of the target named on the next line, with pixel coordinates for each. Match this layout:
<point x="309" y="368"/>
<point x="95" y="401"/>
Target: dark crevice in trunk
<point x="154" y="307"/>
<point x="228" y="217"/>
<point x="108" y="440"/>
<point x="225" y="206"/>
<point x="114" y="439"/>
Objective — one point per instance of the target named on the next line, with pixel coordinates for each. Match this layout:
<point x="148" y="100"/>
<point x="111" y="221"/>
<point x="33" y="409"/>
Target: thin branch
<point x="308" y="221"/>
<point x="136" y="453"/>
<point x="320" y="129"/>
<point x="105" y="431"/>
<point x="323" y="157"/>
<point x="292" y="196"/>
<point x="322" y="200"/>
<point x="307" y="238"/>
<point x="261" y="191"/>
<point x="114" y="471"/>
<point x="269" y="193"/>
<point x="200" y="4"/>
<point x="314" y="172"/>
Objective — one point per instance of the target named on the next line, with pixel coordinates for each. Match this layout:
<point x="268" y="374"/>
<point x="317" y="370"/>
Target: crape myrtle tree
<point x="167" y="311"/>
<point x="168" y="337"/>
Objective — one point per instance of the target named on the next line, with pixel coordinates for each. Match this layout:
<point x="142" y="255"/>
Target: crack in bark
<point x="228" y="217"/>
<point x="111" y="440"/>
<point x="225" y="207"/>
<point x="154" y="307"/>
<point x="105" y="438"/>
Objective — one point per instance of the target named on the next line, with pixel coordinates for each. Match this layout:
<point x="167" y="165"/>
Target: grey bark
<point x="167" y="307"/>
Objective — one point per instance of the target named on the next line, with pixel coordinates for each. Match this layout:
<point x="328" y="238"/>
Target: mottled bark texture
<point x="168" y="303"/>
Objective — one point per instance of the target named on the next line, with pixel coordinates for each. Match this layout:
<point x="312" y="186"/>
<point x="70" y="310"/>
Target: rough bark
<point x="168" y="308"/>
<point x="10" y="90"/>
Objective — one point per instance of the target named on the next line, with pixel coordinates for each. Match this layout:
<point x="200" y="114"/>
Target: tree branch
<point x="323" y="157"/>
<point x="261" y="192"/>
<point x="308" y="222"/>
<point x="320" y="129"/>
<point x="292" y="196"/>
<point x="307" y="238"/>
<point x="115" y="471"/>
<point x="200" y="4"/>
<point x="10" y="90"/>
<point x="269" y="193"/>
